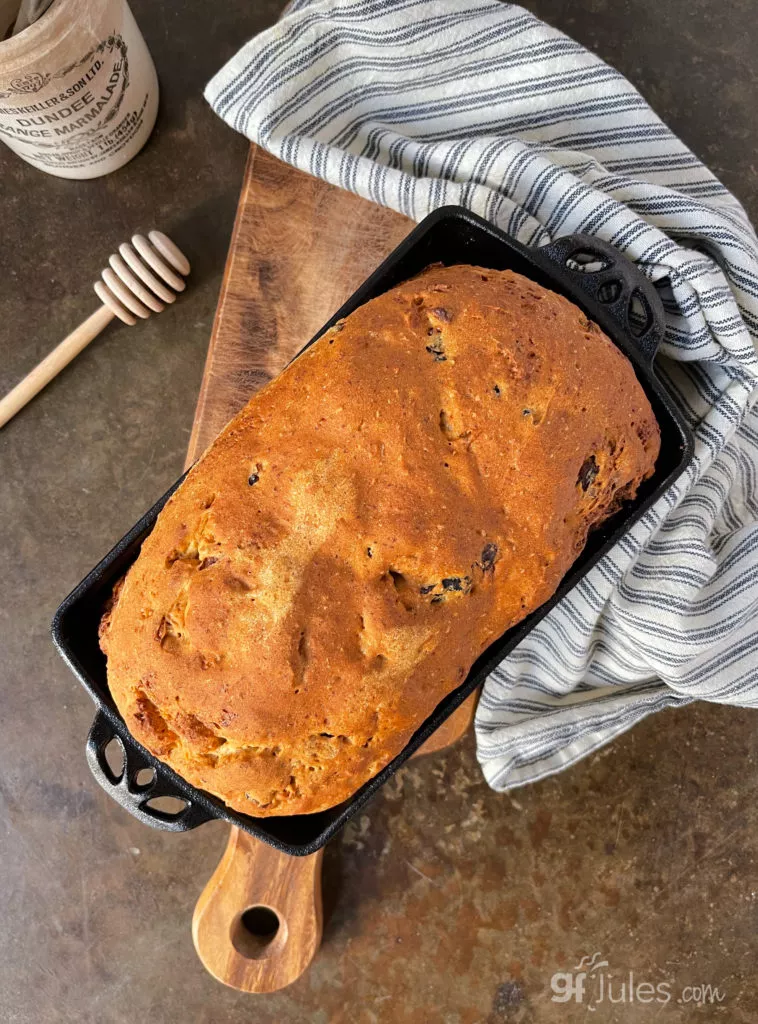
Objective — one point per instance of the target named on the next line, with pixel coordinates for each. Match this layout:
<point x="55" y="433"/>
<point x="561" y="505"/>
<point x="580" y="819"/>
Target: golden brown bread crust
<point x="410" y="487"/>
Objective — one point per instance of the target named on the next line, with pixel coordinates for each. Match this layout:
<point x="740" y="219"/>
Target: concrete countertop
<point x="444" y="902"/>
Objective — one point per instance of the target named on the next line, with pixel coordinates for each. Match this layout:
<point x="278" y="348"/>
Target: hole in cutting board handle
<point x="258" y="933"/>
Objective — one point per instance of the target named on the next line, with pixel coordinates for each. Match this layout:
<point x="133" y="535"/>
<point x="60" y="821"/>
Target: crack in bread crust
<point x="411" y="486"/>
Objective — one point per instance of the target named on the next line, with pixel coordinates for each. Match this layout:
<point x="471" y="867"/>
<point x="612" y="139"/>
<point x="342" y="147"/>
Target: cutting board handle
<point x="258" y="922"/>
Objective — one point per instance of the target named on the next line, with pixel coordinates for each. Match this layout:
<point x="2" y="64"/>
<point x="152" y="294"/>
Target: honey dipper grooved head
<point x="142" y="277"/>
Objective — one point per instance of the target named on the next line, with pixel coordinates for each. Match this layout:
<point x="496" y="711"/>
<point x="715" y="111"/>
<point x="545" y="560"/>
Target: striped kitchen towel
<point x="419" y="103"/>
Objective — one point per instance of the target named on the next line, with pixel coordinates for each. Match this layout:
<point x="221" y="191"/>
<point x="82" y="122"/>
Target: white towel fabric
<point x="420" y="103"/>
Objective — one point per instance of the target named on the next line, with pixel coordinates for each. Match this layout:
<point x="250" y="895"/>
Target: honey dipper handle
<point x="258" y="922"/>
<point x="52" y="364"/>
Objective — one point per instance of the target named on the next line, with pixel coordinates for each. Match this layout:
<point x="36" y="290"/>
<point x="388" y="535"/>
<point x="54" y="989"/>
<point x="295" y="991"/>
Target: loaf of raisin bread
<point x="409" y="488"/>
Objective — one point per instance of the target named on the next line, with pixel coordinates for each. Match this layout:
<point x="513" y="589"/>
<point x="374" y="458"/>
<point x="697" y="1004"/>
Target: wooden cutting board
<point x="299" y="248"/>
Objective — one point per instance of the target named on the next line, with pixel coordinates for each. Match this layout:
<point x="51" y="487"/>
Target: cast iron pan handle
<point x="126" y="789"/>
<point x="613" y="283"/>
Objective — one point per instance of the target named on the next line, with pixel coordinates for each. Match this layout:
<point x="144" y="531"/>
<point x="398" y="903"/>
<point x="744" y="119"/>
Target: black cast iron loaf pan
<point x="592" y="274"/>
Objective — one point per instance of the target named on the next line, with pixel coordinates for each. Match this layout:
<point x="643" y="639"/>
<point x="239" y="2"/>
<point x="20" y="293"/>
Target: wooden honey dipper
<point x="141" y="278"/>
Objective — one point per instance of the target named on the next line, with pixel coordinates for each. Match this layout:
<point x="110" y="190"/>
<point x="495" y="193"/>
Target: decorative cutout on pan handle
<point x="613" y="281"/>
<point x="139" y="786"/>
